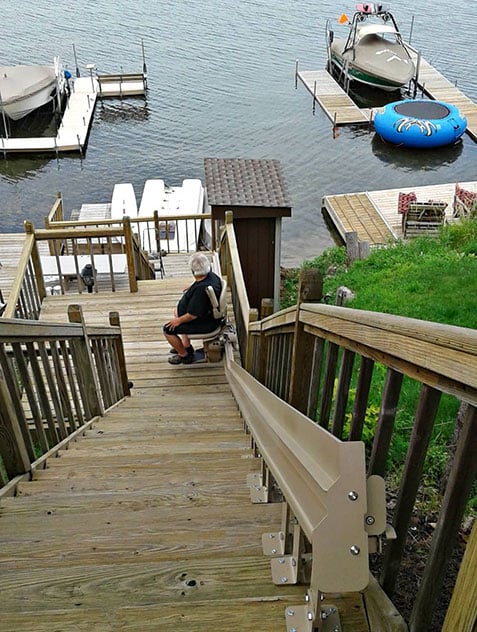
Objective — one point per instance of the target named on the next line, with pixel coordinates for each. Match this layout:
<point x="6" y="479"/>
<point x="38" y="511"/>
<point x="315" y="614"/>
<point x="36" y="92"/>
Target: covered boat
<point x="24" y="89"/>
<point x="374" y="53"/>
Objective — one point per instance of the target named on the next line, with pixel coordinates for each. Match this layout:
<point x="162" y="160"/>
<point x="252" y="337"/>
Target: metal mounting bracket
<point x="284" y="570"/>
<point x="258" y="491"/>
<point x="273" y="543"/>
<point x="301" y="619"/>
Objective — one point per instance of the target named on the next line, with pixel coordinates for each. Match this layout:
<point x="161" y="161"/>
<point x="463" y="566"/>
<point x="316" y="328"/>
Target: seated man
<point x="193" y="314"/>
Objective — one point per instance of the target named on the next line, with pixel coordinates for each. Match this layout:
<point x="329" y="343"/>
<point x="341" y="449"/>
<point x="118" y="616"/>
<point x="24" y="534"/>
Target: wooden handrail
<point x="343" y="347"/>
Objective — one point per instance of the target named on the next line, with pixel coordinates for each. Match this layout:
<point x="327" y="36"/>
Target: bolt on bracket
<point x="284" y="570"/>
<point x="302" y="619"/>
<point x="273" y="544"/>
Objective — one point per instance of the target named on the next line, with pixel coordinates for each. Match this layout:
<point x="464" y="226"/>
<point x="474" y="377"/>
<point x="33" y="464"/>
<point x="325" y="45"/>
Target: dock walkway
<point x="145" y="523"/>
<point x="72" y="135"/>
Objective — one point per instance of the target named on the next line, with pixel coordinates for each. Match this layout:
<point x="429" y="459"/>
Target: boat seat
<point x="213" y="345"/>
<point x="465" y="202"/>
<point x="424" y="218"/>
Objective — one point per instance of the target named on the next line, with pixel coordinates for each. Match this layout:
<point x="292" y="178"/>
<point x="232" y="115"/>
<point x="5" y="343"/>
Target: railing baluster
<point x="461" y="479"/>
<point x="410" y="479"/>
<point x="387" y="416"/>
<point x="328" y="385"/>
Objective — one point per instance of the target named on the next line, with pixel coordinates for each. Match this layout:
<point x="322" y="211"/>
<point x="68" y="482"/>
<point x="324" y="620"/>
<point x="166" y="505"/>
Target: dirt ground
<point x="416" y="551"/>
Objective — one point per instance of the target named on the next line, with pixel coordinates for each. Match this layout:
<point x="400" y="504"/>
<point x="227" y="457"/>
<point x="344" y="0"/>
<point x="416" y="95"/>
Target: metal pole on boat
<point x="411" y="30"/>
<point x="296" y="74"/>
<point x="76" y="61"/>
<point x="416" y="76"/>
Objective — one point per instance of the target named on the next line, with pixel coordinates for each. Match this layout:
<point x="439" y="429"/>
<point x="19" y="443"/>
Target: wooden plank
<point x="462" y="612"/>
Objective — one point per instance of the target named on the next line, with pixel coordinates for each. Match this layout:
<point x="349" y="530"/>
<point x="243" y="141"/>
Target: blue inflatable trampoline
<point x="420" y="123"/>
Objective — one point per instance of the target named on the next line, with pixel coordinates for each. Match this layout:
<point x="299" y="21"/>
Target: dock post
<point x="79" y="146"/>
<point x="76" y="62"/>
<point x="144" y="67"/>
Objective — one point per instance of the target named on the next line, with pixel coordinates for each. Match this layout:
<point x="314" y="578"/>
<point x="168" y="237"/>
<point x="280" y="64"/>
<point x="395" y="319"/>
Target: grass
<point x="428" y="279"/>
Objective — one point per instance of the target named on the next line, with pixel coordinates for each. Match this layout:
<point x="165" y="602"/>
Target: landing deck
<point x="374" y="215"/>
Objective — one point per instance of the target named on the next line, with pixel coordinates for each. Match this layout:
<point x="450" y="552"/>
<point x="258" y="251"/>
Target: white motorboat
<point x="373" y="53"/>
<point x="24" y="89"/>
<point x="173" y="201"/>
<point x="123" y="201"/>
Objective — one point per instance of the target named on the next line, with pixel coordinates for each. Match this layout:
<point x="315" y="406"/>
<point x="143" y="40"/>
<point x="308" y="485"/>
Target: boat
<point x="123" y="201"/>
<point x="420" y="123"/>
<point x="174" y="201"/>
<point x="373" y="53"/>
<point x="24" y="88"/>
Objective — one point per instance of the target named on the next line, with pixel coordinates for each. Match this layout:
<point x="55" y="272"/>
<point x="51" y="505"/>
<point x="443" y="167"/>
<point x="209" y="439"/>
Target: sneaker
<point x="189" y="350"/>
<point x="177" y="359"/>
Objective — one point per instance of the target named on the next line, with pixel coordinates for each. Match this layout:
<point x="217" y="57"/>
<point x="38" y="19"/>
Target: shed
<point x="256" y="193"/>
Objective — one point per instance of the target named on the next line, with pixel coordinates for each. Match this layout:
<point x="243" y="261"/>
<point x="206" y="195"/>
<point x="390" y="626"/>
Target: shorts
<point x="194" y="327"/>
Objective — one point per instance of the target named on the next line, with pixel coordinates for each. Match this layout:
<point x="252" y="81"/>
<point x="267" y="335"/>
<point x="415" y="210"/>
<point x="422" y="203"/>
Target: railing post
<point x="252" y="318"/>
<point x="128" y="238"/>
<point x="83" y="360"/>
<point x="13" y="449"/>
<point x="310" y="290"/>
<point x="119" y="349"/>
<point x="35" y="257"/>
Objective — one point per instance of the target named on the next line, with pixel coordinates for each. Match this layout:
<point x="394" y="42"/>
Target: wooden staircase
<point x="145" y="523"/>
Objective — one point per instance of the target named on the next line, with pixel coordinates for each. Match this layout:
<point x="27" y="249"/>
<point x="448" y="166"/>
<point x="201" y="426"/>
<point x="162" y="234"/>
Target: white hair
<point x="199" y="264"/>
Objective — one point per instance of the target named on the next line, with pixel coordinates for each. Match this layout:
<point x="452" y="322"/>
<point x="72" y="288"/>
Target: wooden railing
<point x="55" y="380"/>
<point x="231" y="267"/>
<point x="156" y="234"/>
<point x="112" y="252"/>
<point x="28" y="288"/>
<point x="326" y="361"/>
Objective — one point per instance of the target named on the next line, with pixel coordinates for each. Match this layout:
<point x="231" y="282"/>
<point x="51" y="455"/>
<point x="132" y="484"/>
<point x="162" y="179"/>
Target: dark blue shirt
<point x="195" y="299"/>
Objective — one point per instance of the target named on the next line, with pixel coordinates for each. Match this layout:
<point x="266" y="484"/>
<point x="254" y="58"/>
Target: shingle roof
<point x="245" y="182"/>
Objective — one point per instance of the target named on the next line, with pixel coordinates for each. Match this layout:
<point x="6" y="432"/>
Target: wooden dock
<point x="342" y="110"/>
<point x="72" y="134"/>
<point x="338" y="106"/>
<point x="145" y="523"/>
<point x="374" y="216"/>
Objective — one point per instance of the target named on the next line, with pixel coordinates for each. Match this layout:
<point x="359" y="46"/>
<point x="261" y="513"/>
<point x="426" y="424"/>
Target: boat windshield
<point x="382" y="31"/>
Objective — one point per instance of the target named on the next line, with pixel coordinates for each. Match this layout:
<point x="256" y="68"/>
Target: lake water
<point x="221" y="84"/>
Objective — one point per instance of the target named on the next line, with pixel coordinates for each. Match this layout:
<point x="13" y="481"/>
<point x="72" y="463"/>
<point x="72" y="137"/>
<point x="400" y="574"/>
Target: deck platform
<point x="145" y="522"/>
<point x="342" y="110"/>
<point x="72" y="135"/>
<point x="374" y="216"/>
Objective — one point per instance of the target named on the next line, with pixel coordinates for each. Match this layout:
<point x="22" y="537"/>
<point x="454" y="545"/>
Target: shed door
<point x="256" y="246"/>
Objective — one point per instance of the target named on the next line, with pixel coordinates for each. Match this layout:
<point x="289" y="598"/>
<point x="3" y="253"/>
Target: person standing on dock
<point x="193" y="314"/>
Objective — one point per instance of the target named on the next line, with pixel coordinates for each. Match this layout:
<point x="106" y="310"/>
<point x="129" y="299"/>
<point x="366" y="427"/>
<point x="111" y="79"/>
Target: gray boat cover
<point x="18" y="82"/>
